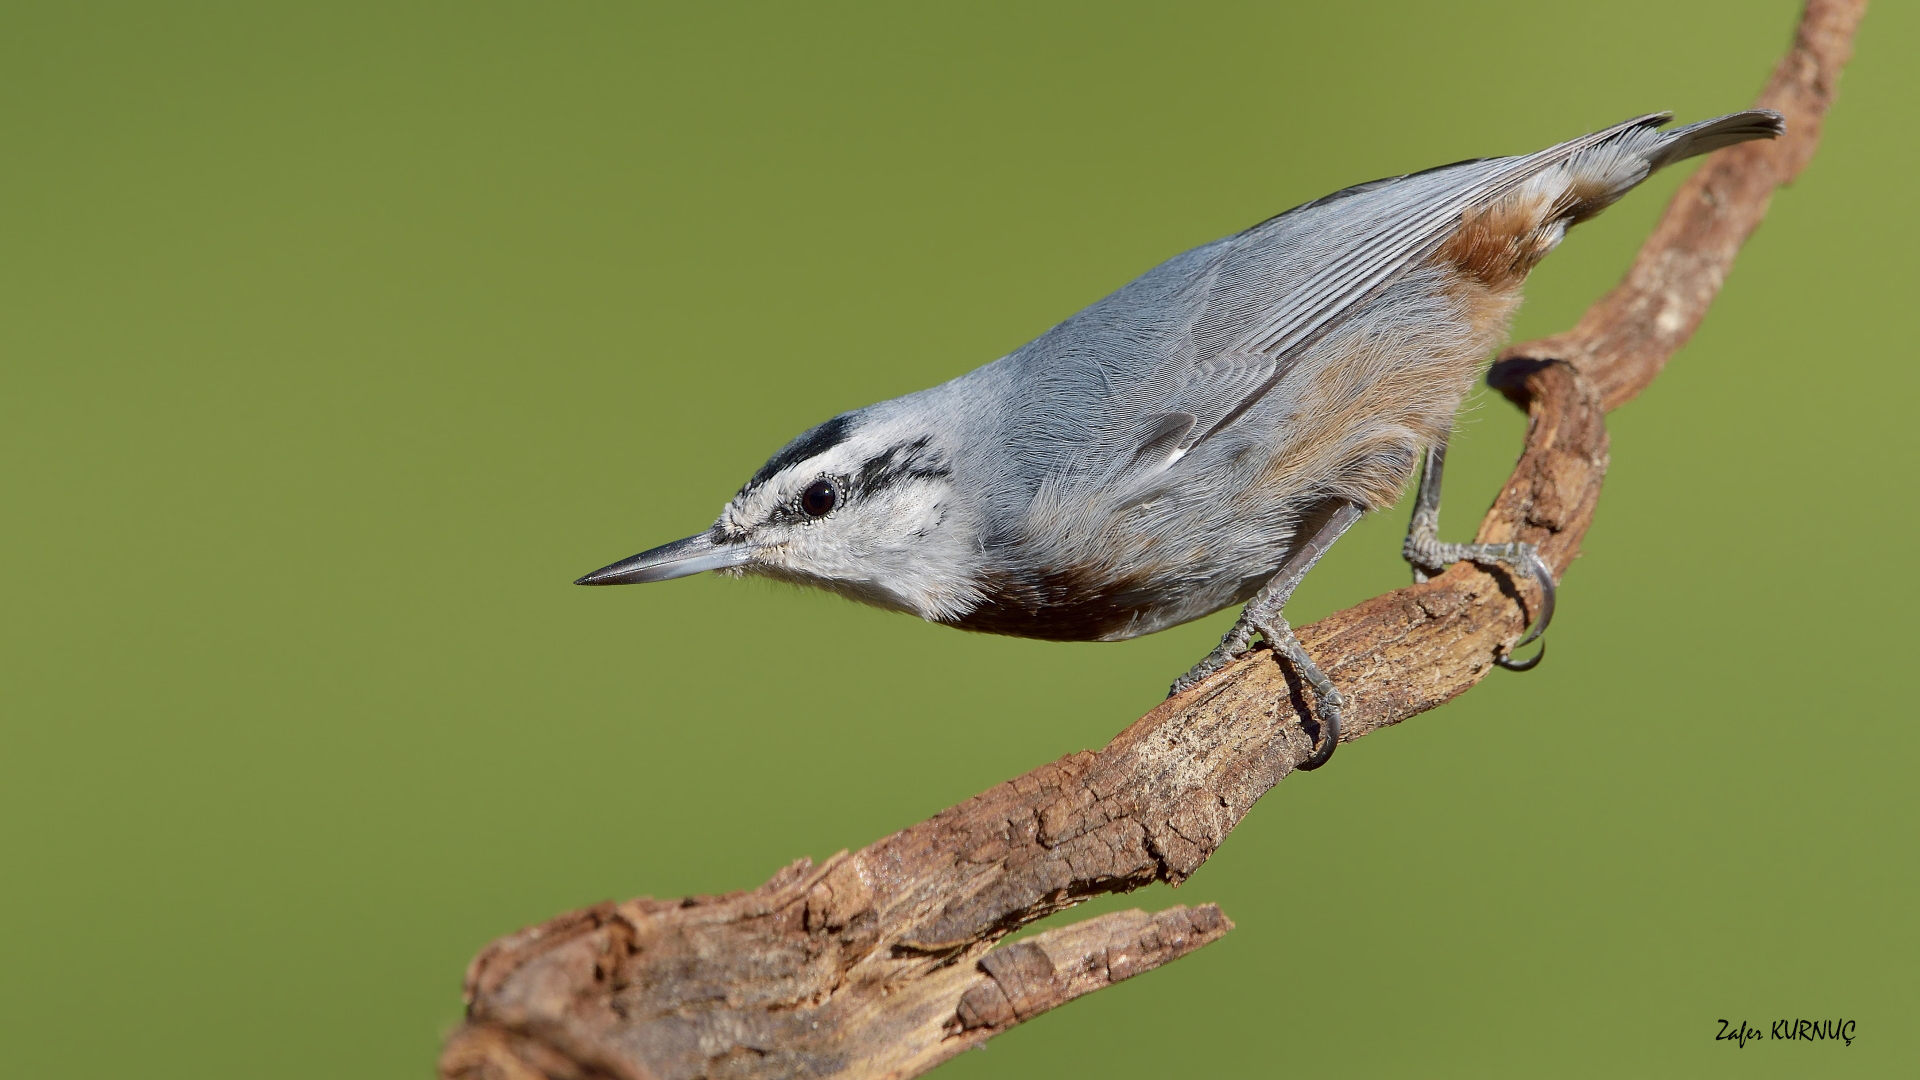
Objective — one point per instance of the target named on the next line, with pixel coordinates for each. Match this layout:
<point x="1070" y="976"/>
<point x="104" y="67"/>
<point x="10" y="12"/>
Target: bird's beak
<point x="693" y="555"/>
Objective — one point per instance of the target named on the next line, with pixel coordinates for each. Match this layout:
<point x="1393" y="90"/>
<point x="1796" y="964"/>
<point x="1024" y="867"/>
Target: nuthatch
<point x="1203" y="435"/>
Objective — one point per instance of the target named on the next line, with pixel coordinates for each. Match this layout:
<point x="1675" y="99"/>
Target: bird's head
<point x="863" y="505"/>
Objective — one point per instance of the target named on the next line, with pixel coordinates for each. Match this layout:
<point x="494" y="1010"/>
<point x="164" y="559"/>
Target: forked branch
<point x="881" y="963"/>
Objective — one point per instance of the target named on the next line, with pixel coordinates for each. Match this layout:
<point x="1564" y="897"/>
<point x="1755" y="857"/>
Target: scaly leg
<point x="1429" y="555"/>
<point x="1263" y="614"/>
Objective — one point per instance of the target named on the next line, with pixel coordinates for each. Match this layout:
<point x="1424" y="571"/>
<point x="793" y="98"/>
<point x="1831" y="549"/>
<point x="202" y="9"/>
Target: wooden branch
<point x="881" y="963"/>
<point x="1624" y="340"/>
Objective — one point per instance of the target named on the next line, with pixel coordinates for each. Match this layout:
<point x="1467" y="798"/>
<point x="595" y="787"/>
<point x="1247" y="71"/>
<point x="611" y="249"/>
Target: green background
<point x="338" y="339"/>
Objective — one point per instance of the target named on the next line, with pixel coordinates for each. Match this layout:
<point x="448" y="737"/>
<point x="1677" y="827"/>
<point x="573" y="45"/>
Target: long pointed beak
<point x="693" y="555"/>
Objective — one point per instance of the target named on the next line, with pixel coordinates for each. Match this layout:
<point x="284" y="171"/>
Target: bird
<point x="1200" y="437"/>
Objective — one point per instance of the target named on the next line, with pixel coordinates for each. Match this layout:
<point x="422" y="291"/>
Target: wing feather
<point x="1405" y="220"/>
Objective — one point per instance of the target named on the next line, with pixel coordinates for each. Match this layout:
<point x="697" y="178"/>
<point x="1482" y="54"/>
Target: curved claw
<point x="1329" y="733"/>
<point x="1544" y="577"/>
<point x="1528" y="664"/>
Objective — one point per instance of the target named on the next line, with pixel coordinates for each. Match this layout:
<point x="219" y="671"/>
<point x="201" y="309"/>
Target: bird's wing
<point x="1274" y="290"/>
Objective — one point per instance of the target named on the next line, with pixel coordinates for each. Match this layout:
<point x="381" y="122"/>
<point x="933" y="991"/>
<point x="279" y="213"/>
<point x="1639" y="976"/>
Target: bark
<point x="881" y="963"/>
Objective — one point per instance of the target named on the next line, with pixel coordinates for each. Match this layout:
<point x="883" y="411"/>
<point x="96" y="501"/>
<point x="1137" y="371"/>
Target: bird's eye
<point x="819" y="498"/>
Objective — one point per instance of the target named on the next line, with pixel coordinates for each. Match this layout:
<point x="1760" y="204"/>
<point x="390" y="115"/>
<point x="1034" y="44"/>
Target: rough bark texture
<point x="880" y="963"/>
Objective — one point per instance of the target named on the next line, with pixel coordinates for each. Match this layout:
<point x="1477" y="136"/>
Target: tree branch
<point x="880" y="963"/>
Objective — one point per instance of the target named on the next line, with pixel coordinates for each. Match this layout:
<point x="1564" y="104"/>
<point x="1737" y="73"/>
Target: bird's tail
<point x="1522" y="215"/>
<point x="1710" y="135"/>
<point x="1607" y="164"/>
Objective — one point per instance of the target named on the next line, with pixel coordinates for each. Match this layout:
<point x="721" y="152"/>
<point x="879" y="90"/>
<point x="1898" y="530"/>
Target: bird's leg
<point x="1429" y="555"/>
<point x="1263" y="614"/>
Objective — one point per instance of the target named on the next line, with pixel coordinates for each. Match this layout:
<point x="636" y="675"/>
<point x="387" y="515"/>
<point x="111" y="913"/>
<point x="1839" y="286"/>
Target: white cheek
<point x="920" y="514"/>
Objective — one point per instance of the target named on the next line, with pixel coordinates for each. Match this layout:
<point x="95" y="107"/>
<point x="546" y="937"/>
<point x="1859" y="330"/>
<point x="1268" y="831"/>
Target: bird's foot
<point x="1430" y="556"/>
<point x="1279" y="635"/>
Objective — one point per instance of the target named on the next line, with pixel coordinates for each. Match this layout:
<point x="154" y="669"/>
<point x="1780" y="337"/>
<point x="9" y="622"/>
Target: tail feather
<point x="1710" y="135"/>
<point x="1606" y="165"/>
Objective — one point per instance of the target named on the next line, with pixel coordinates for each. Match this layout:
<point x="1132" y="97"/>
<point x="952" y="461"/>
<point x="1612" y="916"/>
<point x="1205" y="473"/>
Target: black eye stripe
<point x="913" y="460"/>
<point x="907" y="461"/>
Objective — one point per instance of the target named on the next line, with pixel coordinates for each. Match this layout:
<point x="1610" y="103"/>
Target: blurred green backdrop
<point x="338" y="338"/>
